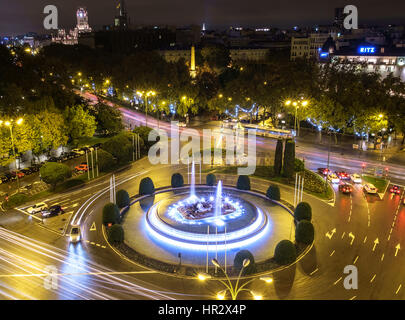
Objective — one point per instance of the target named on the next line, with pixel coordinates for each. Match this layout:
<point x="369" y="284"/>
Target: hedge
<point x="106" y="160"/>
<point x="303" y="211"/>
<point x="305" y="232"/>
<point x="116" y="234"/>
<point x="146" y="186"/>
<point x="238" y="262"/>
<point x="299" y="165"/>
<point x="273" y="193"/>
<point x="177" y="180"/>
<point x="243" y="183"/>
<point x="211" y="180"/>
<point x="285" y="252"/>
<point x="111" y="214"/>
<point x="122" y="198"/>
<point x="16" y="200"/>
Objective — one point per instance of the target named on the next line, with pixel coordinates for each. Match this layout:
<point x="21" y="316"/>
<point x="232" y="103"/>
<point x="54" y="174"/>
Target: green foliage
<point x="177" y="180"/>
<point x="122" y="198"/>
<point x="120" y="147"/>
<point x="211" y="180"/>
<point x="299" y="165"/>
<point x="305" y="232"/>
<point x="79" y="122"/>
<point x="273" y="192"/>
<point x="111" y="214"/>
<point x="16" y="200"/>
<point x="116" y="234"/>
<point x="106" y="161"/>
<point x="285" y="252"/>
<point x="238" y="262"/>
<point x="289" y="159"/>
<point x="303" y="211"/>
<point x="72" y="183"/>
<point x="216" y="57"/>
<point x="143" y="133"/>
<point x="53" y="173"/>
<point x="243" y="183"/>
<point x="109" y="119"/>
<point x="278" y="158"/>
<point x="146" y="186"/>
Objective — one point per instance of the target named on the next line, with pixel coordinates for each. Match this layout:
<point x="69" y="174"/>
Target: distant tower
<point x="82" y="21"/>
<point x="193" y="71"/>
<point x="121" y="19"/>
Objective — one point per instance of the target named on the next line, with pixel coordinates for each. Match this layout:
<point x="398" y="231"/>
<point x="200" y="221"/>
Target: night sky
<point x="21" y="16"/>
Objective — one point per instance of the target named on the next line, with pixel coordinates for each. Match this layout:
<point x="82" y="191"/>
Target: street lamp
<point x="296" y="104"/>
<point x="10" y="125"/>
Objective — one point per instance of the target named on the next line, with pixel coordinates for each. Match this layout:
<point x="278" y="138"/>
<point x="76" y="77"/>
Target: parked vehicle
<point x="55" y="210"/>
<point x="37" y="208"/>
<point x="53" y="159"/>
<point x="18" y="174"/>
<point x="82" y="168"/>
<point x="78" y="151"/>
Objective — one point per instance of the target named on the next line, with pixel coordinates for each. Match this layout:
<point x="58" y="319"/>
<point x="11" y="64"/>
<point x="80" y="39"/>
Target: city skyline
<point x="22" y="17"/>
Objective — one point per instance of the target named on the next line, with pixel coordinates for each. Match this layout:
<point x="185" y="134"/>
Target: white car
<point x="181" y="124"/>
<point x="75" y="234"/>
<point x="333" y="178"/>
<point x="78" y="151"/>
<point x="370" y="188"/>
<point x="37" y="208"/>
<point x="356" y="178"/>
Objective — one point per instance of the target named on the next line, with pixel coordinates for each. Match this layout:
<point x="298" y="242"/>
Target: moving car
<point x="345" y="188"/>
<point x="75" y="234"/>
<point x="323" y="171"/>
<point x="395" y="189"/>
<point x="55" y="210"/>
<point x="343" y="175"/>
<point x="356" y="178"/>
<point x="82" y="168"/>
<point x="333" y="178"/>
<point x="370" y="188"/>
<point x="37" y="208"/>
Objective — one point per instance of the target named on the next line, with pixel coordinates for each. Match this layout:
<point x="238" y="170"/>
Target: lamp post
<point x="233" y="290"/>
<point x="296" y="104"/>
<point x="10" y="125"/>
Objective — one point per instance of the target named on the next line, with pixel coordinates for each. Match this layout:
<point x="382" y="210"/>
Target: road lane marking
<point x="365" y="239"/>
<point x="372" y="279"/>
<point x="332" y="253"/>
<point x="355" y="260"/>
<point x="337" y="281"/>
<point x="313" y="272"/>
<point x="352" y="298"/>
<point x="375" y="243"/>
<point x="382" y="257"/>
<point x="399" y="288"/>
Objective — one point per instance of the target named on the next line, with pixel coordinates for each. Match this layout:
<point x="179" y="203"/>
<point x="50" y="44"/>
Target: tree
<point x="120" y="147"/>
<point x="289" y="159"/>
<point x="304" y="233"/>
<point x="285" y="252"/>
<point x="79" y="122"/>
<point x="278" y="158"/>
<point x="217" y="57"/>
<point x="273" y="193"/>
<point x="211" y="180"/>
<point x="146" y="186"/>
<point x="116" y="234"/>
<point x="111" y="214"/>
<point x="109" y="119"/>
<point x="53" y="173"/>
<point x="143" y="133"/>
<point x="105" y="160"/>
<point x="122" y="198"/>
<point x="303" y="211"/>
<point x="243" y="183"/>
<point x="177" y="180"/>
<point x="239" y="259"/>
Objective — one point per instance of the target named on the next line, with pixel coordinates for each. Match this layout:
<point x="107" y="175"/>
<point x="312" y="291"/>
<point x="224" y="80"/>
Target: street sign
<point x="93" y="227"/>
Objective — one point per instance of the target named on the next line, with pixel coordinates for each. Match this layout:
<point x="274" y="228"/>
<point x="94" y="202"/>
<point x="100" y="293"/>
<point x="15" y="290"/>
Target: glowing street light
<point x="267" y="279"/>
<point x="203" y="276"/>
<point x="256" y="296"/>
<point x="221" y="295"/>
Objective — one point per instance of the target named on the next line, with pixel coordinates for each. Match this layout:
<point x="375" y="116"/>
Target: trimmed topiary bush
<point x="16" y="200"/>
<point x="243" y="183"/>
<point x="116" y="234"/>
<point x="146" y="186"/>
<point x="285" y="252"/>
<point x="177" y="180"/>
<point x="305" y="232"/>
<point x="289" y="159"/>
<point x="238" y="262"/>
<point x="211" y="180"/>
<point x="122" y="197"/>
<point x="106" y="160"/>
<point x="273" y="193"/>
<point x="299" y="165"/>
<point x="278" y="157"/>
<point x="303" y="211"/>
<point x="111" y="214"/>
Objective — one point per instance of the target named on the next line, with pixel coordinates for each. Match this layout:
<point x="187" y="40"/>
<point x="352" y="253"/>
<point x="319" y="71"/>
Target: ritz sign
<point x="367" y="49"/>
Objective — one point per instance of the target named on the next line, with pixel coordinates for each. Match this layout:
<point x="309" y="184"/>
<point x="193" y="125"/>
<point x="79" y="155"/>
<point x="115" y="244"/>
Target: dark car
<point x="53" y="159"/>
<point x="10" y="177"/>
<point x="395" y="189"/>
<point x="97" y="145"/>
<point x="343" y="175"/>
<point x="323" y="171"/>
<point x="4" y="179"/>
<point x="55" y="210"/>
<point x="345" y="188"/>
<point x="27" y="171"/>
<point x="19" y="173"/>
